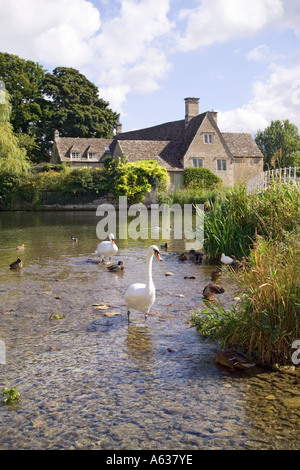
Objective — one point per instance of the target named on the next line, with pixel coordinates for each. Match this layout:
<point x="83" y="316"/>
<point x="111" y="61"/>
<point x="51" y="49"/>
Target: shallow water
<point x="91" y="381"/>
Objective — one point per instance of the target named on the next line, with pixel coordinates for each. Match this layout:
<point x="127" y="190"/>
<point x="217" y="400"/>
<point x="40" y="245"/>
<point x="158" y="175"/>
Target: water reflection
<point x="139" y="345"/>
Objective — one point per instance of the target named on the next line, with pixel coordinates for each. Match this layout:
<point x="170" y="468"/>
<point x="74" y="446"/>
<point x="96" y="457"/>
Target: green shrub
<point x="136" y="179"/>
<point x="200" y="178"/>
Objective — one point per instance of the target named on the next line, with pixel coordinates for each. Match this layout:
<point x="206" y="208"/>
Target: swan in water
<point x="141" y="297"/>
<point x="107" y="248"/>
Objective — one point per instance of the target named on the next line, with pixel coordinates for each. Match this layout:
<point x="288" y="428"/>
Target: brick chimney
<point x="191" y="109"/>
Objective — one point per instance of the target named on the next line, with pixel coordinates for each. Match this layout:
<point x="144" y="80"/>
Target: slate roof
<point x="66" y="145"/>
<point x="241" y="145"/>
<point x="166" y="152"/>
<point x="167" y="143"/>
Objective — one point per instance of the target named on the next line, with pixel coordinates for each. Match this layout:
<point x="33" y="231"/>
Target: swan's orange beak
<point x="113" y="241"/>
<point x="157" y="255"/>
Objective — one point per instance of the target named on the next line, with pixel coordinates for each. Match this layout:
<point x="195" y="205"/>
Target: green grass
<point x="266" y="321"/>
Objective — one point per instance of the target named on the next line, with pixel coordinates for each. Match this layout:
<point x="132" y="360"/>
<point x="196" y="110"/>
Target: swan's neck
<point x="149" y="281"/>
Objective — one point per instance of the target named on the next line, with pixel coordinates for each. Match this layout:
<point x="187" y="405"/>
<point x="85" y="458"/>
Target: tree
<point x="42" y="102"/>
<point x="23" y="80"/>
<point x="279" y="143"/>
<point x="13" y="159"/>
<point x="74" y="108"/>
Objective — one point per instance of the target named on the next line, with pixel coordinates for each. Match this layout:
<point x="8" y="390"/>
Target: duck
<point x="21" y="247"/>
<point x="74" y="239"/>
<point x="182" y="257"/>
<point x="226" y="259"/>
<point x="195" y="256"/>
<point x="116" y="267"/>
<point x="233" y="359"/>
<point x="139" y="296"/>
<point x="107" y="249"/>
<point x="16" y="264"/>
<point x="165" y="246"/>
<point x="216" y="274"/>
<point x="210" y="290"/>
<point x="237" y="265"/>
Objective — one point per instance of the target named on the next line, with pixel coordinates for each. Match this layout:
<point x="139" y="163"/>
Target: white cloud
<point x="218" y="21"/>
<point x="130" y="50"/>
<point x="276" y="98"/>
<point x="56" y="32"/>
<point x="262" y="53"/>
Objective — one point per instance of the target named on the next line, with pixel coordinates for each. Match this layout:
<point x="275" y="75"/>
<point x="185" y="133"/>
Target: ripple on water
<point x="88" y="381"/>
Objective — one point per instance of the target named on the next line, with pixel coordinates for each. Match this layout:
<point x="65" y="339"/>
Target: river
<point x="89" y="380"/>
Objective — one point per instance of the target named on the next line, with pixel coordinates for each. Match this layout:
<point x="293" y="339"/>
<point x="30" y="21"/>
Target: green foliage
<point x="279" y="144"/>
<point x="10" y="395"/>
<point x="234" y="218"/>
<point x="188" y="196"/>
<point x="135" y="180"/>
<point x="266" y="320"/>
<point x="61" y="184"/>
<point x="13" y="159"/>
<point x="73" y="106"/>
<point x="228" y="226"/>
<point x="201" y="178"/>
<point x="42" y="102"/>
<point x="23" y="80"/>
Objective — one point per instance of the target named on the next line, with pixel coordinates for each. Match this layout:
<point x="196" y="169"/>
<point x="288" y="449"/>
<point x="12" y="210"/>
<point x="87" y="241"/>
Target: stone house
<point x="195" y="141"/>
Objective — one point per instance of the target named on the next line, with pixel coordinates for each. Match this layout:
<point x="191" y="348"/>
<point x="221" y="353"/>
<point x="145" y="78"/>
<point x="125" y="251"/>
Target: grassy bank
<point x="266" y="320"/>
<point x="264" y="228"/>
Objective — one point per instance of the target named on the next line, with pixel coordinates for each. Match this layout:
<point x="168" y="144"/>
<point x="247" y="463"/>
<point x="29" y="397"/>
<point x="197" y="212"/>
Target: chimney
<point x="191" y="109"/>
<point x="118" y="128"/>
<point x="215" y="116"/>
<point x="56" y="135"/>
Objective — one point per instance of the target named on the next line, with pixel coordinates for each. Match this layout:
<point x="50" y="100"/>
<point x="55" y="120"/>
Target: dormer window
<point x="75" y="155"/>
<point x="92" y="156"/>
<point x="208" y="138"/>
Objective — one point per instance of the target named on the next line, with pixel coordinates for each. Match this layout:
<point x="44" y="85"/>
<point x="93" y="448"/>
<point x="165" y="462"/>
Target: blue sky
<point x="240" y="58"/>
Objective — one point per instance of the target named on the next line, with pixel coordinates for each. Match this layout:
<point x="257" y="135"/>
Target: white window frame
<point x="75" y="156"/>
<point x="92" y="155"/>
<point x="208" y="138"/>
<point x="222" y="163"/>
<point x="197" y="160"/>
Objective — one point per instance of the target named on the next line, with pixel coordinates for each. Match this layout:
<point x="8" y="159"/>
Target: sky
<point x="239" y="57"/>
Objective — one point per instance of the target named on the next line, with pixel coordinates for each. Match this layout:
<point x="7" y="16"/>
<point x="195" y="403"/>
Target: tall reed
<point x="266" y="321"/>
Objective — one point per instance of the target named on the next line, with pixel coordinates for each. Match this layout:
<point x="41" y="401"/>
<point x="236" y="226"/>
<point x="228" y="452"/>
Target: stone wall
<point x="210" y="153"/>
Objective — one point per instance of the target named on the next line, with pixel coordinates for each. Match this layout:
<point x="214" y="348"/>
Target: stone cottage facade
<point x="195" y="141"/>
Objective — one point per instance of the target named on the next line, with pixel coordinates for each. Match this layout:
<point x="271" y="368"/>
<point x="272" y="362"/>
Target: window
<point x="75" y="156"/>
<point x="208" y="138"/>
<point x="197" y="162"/>
<point x="92" y="156"/>
<point x="222" y="165"/>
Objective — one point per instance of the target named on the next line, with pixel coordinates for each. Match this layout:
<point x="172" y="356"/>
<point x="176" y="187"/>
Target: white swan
<point x="142" y="296"/>
<point x="107" y="248"/>
<point x="226" y="259"/>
